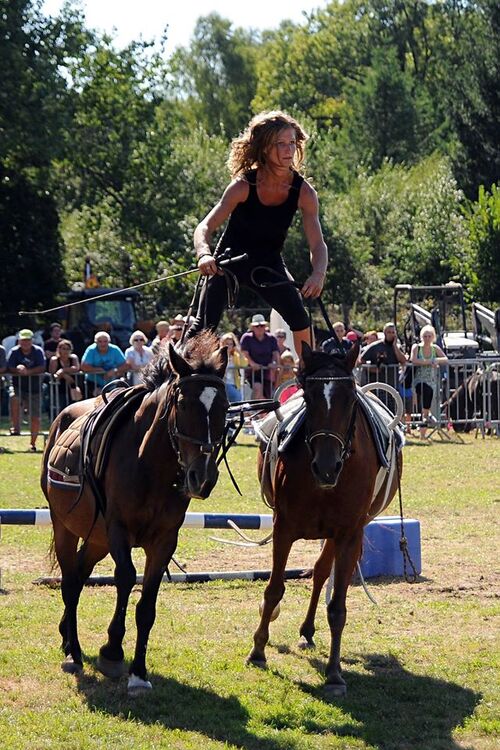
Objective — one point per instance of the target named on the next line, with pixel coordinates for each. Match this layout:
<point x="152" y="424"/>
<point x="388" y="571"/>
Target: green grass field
<point x="421" y="668"/>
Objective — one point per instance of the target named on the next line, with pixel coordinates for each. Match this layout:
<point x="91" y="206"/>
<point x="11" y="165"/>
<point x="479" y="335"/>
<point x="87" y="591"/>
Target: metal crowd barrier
<point x="466" y="393"/>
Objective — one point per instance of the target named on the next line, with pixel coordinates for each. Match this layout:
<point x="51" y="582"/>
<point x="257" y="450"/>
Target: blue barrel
<point x="381" y="553"/>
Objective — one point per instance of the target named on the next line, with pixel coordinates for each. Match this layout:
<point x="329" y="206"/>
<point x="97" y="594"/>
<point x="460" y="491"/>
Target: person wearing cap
<point x="137" y="355"/>
<point x="26" y="363"/>
<point x="259" y="204"/>
<point x="102" y="362"/>
<point x="262" y="352"/>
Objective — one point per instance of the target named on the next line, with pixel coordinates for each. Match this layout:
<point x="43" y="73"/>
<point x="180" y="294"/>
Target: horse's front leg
<point x="272" y="596"/>
<point x="322" y="569"/>
<point x="157" y="559"/>
<point x="347" y="554"/>
<point x="110" y="661"/>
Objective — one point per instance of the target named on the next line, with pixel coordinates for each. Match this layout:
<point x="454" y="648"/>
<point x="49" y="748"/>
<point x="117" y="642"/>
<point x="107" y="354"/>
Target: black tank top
<point x="257" y="229"/>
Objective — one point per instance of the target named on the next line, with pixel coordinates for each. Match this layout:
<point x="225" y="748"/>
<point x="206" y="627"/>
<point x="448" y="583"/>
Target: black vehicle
<point x="486" y="324"/>
<point x="116" y="314"/>
<point x="441" y="306"/>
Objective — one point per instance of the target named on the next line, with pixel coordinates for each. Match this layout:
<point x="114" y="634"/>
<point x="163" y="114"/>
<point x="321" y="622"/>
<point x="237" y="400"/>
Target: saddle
<point x="278" y="429"/>
<point x="82" y="450"/>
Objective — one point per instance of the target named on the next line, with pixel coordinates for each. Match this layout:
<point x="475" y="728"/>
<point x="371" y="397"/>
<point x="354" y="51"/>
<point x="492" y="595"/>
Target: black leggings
<point x="285" y="299"/>
<point x="426" y="393"/>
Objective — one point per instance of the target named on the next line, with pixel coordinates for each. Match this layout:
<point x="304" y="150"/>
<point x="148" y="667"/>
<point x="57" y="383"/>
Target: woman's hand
<point x="207" y="265"/>
<point x="313" y="286"/>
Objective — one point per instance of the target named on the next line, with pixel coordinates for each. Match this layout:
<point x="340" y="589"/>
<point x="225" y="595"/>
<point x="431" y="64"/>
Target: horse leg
<point x="272" y="596"/>
<point x="322" y="569"/>
<point x="145" y="613"/>
<point x="346" y="556"/>
<point x="110" y="661"/>
<point x="86" y="559"/>
<point x="65" y="546"/>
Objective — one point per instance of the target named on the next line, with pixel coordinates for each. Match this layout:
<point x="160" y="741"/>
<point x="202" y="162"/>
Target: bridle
<point x="343" y="440"/>
<point x="207" y="448"/>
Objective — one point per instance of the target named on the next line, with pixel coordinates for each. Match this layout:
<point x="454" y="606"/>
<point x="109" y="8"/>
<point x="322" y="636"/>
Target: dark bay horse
<point x="323" y="488"/>
<point x="163" y="453"/>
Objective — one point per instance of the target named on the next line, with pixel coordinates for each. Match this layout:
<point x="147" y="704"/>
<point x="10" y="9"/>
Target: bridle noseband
<point x="344" y="440"/>
<point x="206" y="447"/>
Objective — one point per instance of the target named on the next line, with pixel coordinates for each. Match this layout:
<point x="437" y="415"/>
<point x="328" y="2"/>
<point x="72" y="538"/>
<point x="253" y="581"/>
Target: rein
<point x="206" y="447"/>
<point x="346" y="439"/>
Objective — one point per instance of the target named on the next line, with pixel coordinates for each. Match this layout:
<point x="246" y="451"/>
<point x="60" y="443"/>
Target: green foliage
<point x="217" y="74"/>
<point x="398" y="225"/>
<point x="380" y="120"/>
<point x="129" y="148"/>
<point x="30" y="250"/>
<point x="483" y="263"/>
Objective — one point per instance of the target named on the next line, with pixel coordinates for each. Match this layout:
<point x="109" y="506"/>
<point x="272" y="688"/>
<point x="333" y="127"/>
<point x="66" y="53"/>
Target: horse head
<point x="198" y="412"/>
<point x="330" y="396"/>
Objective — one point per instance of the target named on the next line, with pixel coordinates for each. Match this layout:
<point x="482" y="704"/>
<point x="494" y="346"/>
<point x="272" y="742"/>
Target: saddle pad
<point x="265" y="427"/>
<point x="378" y="417"/>
<point x="64" y="457"/>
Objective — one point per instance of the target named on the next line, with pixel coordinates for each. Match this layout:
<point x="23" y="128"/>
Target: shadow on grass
<point x="394" y="709"/>
<point x="175" y="705"/>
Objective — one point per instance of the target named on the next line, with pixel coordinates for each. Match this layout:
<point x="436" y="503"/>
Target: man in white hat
<point x="262" y="351"/>
<point x="26" y="363"/>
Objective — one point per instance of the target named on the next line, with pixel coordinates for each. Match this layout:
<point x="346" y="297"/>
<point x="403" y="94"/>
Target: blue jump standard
<point x="381" y="552"/>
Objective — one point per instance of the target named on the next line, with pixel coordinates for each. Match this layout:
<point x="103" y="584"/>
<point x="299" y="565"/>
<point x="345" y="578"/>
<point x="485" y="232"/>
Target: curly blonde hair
<point x="249" y="149"/>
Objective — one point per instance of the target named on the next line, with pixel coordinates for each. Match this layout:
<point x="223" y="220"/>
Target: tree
<point x="469" y="73"/>
<point x="215" y="76"/>
<point x="483" y="263"/>
<point x="379" y="121"/>
<point x="30" y="249"/>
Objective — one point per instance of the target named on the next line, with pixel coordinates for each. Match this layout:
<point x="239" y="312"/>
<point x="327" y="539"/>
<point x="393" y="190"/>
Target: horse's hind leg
<point x="110" y="661"/>
<point x="86" y="559"/>
<point x="65" y="545"/>
<point x="272" y="596"/>
<point x="322" y="569"/>
<point x="347" y="553"/>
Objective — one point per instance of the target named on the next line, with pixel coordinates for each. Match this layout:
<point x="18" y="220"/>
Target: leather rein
<point x="346" y="439"/>
<point x="206" y="447"/>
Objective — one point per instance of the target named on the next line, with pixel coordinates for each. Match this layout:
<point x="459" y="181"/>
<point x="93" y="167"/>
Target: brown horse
<point x="323" y="488"/>
<point x="163" y="453"/>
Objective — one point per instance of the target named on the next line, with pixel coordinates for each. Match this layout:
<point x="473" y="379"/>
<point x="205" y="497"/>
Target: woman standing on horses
<point x="260" y="203"/>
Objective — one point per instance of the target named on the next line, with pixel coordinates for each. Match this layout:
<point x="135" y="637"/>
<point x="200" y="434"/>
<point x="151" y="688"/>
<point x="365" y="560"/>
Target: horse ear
<point x="306" y="352"/>
<point x="178" y="363"/>
<point x="220" y="360"/>
<point x="352" y="356"/>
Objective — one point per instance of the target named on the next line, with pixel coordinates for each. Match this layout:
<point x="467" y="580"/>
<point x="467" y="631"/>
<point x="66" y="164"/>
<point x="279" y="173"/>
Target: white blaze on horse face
<point x="327" y="392"/>
<point x="207" y="397"/>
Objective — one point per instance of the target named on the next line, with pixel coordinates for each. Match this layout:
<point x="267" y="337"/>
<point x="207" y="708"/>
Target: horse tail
<point x="51" y="555"/>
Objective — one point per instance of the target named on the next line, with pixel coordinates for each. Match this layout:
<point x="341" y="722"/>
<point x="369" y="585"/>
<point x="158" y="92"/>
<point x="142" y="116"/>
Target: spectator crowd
<point x="262" y="364"/>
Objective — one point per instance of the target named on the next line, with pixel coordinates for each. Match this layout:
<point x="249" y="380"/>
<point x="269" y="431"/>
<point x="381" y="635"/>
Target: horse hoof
<point x="254" y="661"/>
<point x="275" y="613"/>
<point x="335" y="690"/>
<point x="305" y="643"/>
<point x="137" y="686"/>
<point x="112" y="669"/>
<point x="71" y="667"/>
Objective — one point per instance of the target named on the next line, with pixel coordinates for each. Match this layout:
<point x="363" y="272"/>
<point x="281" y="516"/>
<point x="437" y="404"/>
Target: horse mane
<point x="197" y="351"/>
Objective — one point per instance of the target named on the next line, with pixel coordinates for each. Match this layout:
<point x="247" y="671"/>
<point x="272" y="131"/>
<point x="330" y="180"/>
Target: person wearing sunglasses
<point x="137" y="356"/>
<point x="266" y="191"/>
